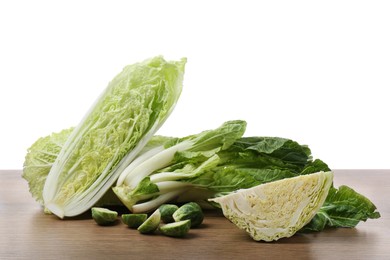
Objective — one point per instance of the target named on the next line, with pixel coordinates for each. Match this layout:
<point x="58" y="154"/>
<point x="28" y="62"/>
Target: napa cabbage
<point x="118" y="125"/>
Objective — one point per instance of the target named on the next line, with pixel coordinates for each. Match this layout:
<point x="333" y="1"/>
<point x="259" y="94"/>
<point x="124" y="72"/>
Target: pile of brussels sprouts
<point x="169" y="219"/>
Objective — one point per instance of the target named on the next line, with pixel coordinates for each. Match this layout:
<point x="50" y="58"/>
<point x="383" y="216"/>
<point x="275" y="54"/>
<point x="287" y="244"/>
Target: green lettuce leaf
<point x="123" y="119"/>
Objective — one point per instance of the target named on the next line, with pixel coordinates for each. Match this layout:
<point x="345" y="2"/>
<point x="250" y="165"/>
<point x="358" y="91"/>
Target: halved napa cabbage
<point x="277" y="209"/>
<point x="116" y="128"/>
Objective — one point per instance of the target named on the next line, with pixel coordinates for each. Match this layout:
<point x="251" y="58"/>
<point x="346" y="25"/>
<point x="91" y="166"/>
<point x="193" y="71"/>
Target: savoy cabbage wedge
<point x="277" y="209"/>
<point x="115" y="129"/>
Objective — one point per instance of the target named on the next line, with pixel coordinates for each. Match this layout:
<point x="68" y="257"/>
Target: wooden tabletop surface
<point x="27" y="233"/>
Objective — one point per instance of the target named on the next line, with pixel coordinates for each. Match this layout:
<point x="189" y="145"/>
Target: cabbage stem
<point x="155" y="203"/>
<point x="137" y="161"/>
<point x="158" y="161"/>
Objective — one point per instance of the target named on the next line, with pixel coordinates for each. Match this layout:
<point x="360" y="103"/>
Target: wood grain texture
<point x="27" y="233"/>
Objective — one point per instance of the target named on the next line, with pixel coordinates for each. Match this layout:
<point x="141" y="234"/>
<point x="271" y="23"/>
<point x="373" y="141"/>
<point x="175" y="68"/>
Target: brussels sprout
<point x="134" y="220"/>
<point x="176" y="229"/>
<point x="191" y="211"/>
<point x="167" y="211"/>
<point x="151" y="223"/>
<point x="104" y="216"/>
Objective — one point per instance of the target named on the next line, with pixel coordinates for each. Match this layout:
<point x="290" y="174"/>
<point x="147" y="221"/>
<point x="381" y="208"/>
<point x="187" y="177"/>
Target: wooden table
<point x="27" y="233"/>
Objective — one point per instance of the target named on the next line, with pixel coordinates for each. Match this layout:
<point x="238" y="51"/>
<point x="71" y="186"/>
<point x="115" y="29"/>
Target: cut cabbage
<point x="277" y="209"/>
<point x="115" y="129"/>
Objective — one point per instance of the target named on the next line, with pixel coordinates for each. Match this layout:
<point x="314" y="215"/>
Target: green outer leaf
<point x="131" y="109"/>
<point x="344" y="207"/>
<point x="39" y="159"/>
<point x="251" y="161"/>
<point x="219" y="138"/>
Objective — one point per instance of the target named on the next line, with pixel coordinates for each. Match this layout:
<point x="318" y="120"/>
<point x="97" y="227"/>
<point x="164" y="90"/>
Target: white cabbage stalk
<point x="115" y="129"/>
<point x="277" y="209"/>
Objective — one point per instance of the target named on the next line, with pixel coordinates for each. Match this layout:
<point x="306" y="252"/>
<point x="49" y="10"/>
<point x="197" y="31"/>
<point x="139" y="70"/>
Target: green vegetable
<point x="198" y="174"/>
<point x="176" y="229"/>
<point x="343" y="207"/>
<point x="104" y="216"/>
<point x="116" y="128"/>
<point x="248" y="162"/>
<point x="210" y="172"/>
<point x="134" y="220"/>
<point x="135" y="183"/>
<point x="189" y="211"/>
<point x="43" y="153"/>
<point x="167" y="211"/>
<point x="277" y="209"/>
<point x="151" y="223"/>
<point x="39" y="159"/>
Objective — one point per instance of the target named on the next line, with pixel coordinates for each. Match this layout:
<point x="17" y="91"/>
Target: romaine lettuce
<point x="135" y="183"/>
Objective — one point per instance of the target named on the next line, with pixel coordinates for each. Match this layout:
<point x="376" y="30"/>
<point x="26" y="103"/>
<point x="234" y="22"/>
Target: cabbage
<point x="39" y="158"/>
<point x="277" y="209"/>
<point x="115" y="129"/>
<point x="44" y="151"/>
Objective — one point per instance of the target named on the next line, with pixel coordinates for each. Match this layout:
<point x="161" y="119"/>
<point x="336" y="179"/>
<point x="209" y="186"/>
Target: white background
<point x="313" y="71"/>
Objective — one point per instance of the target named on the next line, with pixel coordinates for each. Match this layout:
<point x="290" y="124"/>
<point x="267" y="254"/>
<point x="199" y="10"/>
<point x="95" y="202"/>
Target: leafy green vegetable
<point x="176" y="229"/>
<point x="135" y="185"/>
<point x="191" y="211"/>
<point x="343" y="207"/>
<point x="122" y="120"/>
<point x="248" y="162"/>
<point x="201" y="174"/>
<point x="43" y="153"/>
<point x="39" y="160"/>
<point x="277" y="209"/>
<point x="103" y="216"/>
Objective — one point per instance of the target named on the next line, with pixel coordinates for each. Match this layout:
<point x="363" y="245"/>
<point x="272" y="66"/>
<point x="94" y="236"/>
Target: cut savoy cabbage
<point x="277" y="209"/>
<point x="115" y="147"/>
<point x="118" y="125"/>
